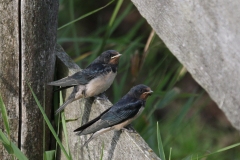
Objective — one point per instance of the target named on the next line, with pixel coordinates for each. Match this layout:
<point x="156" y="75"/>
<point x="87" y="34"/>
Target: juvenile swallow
<point x="92" y="81"/>
<point x="119" y="115"/>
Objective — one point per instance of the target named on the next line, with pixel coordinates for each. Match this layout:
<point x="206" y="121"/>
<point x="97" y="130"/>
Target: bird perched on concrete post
<point x="119" y="115"/>
<point x="92" y="81"/>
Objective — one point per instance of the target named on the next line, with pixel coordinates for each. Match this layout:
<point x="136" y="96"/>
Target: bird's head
<point x="140" y="92"/>
<point x="110" y="57"/>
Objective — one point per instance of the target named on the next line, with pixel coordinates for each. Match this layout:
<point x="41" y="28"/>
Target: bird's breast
<point x="100" y="84"/>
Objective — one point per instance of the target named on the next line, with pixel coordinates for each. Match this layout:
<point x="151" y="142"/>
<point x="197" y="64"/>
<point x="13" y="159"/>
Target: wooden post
<point x="28" y="36"/>
<point x="9" y="68"/>
<point x="204" y="36"/>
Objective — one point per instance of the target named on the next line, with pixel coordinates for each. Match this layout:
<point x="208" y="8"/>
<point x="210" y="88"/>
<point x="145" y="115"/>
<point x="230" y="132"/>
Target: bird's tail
<point x="91" y="138"/>
<point x="96" y="134"/>
<point x="69" y="100"/>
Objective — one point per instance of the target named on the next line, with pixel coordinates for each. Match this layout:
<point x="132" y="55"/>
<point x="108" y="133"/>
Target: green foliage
<point x="170" y="153"/>
<point x="13" y="149"/>
<point x="49" y="155"/>
<point x="218" y="151"/>
<point x="64" y="125"/>
<point x="8" y="145"/>
<point x="50" y="125"/>
<point x="102" y="150"/>
<point x="4" y="115"/>
<point x="160" y="146"/>
<point x="84" y="16"/>
<point x="153" y="65"/>
<point x="108" y="31"/>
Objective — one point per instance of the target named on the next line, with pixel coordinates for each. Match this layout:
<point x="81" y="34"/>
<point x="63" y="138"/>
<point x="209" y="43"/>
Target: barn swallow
<point x="119" y="115"/>
<point x="92" y="81"/>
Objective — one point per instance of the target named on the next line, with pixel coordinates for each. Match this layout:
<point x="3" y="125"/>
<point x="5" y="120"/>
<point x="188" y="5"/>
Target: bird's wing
<point x="83" y="77"/>
<point x="115" y="115"/>
<point x="86" y="125"/>
<point x="122" y="113"/>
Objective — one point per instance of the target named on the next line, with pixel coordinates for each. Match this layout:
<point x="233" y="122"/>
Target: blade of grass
<point x="15" y="149"/>
<point x="56" y="105"/>
<point x="64" y="125"/>
<point x="74" y="33"/>
<point x="56" y="117"/>
<point x="120" y="18"/>
<point x="134" y="31"/>
<point x="82" y="56"/>
<point x="175" y="77"/>
<point x="4" y="115"/>
<point x="187" y="158"/>
<point x="5" y="142"/>
<point x="94" y="40"/>
<point x="153" y="71"/>
<point x="102" y="151"/>
<point x="58" y="128"/>
<point x="108" y="33"/>
<point x="178" y="126"/>
<point x="146" y="49"/>
<point x="99" y="31"/>
<point x="6" y="123"/>
<point x="160" y="146"/>
<point x="168" y="97"/>
<point x="218" y="151"/>
<point x="85" y="15"/>
<point x="43" y="122"/>
<point x="191" y="101"/>
<point x="63" y="33"/>
<point x="55" y="100"/>
<point x="116" y="86"/>
<point x="49" y="155"/>
<point x="49" y="123"/>
<point x="170" y="153"/>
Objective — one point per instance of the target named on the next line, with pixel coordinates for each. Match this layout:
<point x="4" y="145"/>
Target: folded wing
<point x="113" y="116"/>
<point x="82" y="77"/>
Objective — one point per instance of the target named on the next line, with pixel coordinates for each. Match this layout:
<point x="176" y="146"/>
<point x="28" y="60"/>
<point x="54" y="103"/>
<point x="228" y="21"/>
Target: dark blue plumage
<point x="119" y="115"/>
<point x="92" y="81"/>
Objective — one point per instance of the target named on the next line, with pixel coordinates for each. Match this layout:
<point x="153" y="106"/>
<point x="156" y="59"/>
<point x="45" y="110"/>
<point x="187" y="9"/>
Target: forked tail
<point x="63" y="105"/>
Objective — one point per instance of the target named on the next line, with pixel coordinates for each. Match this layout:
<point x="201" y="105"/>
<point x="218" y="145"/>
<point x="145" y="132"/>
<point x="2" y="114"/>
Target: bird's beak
<point x="118" y="55"/>
<point x="149" y="92"/>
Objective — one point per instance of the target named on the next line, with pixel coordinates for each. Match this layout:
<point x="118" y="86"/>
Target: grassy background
<point x="190" y="122"/>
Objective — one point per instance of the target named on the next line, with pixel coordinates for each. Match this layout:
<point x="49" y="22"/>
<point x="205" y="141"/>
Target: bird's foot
<point x="101" y="96"/>
<point x="129" y="128"/>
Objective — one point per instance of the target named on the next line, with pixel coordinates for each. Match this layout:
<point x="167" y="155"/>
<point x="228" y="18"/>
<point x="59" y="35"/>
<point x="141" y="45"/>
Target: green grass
<point x="102" y="151"/>
<point x="160" y="145"/>
<point x="160" y="70"/>
<point x="6" y="140"/>
<point x="64" y="125"/>
<point x="50" y="125"/>
<point x="84" y="16"/>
